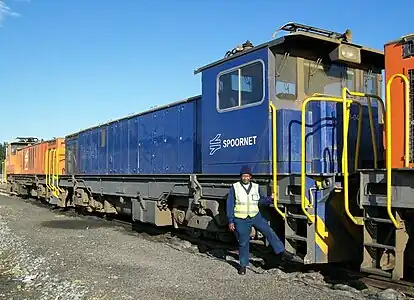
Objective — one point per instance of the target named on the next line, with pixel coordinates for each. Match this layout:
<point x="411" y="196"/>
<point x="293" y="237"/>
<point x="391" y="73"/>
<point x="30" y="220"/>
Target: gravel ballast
<point x="46" y="255"/>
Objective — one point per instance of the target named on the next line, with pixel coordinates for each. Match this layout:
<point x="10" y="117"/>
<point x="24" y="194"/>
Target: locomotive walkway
<point x="47" y="255"/>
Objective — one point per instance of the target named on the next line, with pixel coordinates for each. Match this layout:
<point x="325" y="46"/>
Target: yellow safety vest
<point x="246" y="204"/>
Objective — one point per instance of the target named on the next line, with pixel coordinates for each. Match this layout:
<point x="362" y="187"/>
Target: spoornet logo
<point x="216" y="143"/>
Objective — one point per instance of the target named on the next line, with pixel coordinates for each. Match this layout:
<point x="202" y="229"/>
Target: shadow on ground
<point x="74" y="224"/>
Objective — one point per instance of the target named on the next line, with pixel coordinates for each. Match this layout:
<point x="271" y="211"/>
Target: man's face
<point x="245" y="178"/>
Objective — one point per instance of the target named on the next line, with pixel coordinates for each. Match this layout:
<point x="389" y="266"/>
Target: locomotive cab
<point x="238" y="89"/>
<point x="14" y="156"/>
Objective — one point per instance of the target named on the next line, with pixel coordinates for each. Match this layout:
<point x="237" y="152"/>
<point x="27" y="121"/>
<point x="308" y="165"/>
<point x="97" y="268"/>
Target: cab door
<point x="235" y="115"/>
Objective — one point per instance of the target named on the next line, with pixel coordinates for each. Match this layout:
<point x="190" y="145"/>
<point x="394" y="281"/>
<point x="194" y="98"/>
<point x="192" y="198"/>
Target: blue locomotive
<point x="173" y="165"/>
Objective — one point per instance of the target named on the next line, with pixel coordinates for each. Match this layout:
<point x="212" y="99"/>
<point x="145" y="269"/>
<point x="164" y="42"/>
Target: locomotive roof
<point x="300" y="35"/>
<point x="403" y="39"/>
<point x="154" y="109"/>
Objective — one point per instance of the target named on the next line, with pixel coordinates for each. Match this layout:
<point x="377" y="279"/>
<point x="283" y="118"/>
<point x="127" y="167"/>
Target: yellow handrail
<point x="51" y="171"/>
<point x="57" y="153"/>
<point x="4" y="171"/>
<point x="406" y="119"/>
<point x="52" y="160"/>
<point x="346" y="103"/>
<point x="55" y="190"/>
<point x="373" y="137"/>
<point x="357" y="146"/>
<point x="274" y="159"/>
<point x="345" y="112"/>
<point x="358" y="141"/>
<point x="47" y="169"/>
<point x="371" y="121"/>
<point x="389" y="142"/>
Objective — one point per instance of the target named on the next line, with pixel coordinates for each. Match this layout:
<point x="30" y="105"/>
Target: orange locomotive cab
<point x="399" y="59"/>
<point x="14" y="154"/>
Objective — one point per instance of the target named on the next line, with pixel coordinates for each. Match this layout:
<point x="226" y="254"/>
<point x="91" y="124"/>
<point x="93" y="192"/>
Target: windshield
<point x="327" y="79"/>
<point x="15" y="147"/>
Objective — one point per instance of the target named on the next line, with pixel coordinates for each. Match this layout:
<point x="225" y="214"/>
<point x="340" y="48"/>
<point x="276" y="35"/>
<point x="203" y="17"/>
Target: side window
<point x="286" y="77"/>
<point x="370" y="84"/>
<point x="241" y="87"/>
<point x="14" y="149"/>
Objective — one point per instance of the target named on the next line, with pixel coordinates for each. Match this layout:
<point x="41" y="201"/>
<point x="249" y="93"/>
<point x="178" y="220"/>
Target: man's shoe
<point x="286" y="255"/>
<point x="242" y="271"/>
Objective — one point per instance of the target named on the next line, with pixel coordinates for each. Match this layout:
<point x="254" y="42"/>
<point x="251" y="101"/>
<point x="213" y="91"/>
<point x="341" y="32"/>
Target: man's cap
<point x="245" y="170"/>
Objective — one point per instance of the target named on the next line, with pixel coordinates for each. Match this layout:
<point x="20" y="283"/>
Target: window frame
<point x="374" y="76"/>
<point x="297" y="75"/>
<point x="227" y="71"/>
<point x="342" y="67"/>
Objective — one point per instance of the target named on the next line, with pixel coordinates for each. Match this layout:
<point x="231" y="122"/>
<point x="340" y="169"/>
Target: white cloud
<point x="6" y="11"/>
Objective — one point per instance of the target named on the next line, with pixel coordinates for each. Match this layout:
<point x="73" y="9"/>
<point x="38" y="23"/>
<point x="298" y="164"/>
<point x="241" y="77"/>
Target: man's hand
<point x="232" y="227"/>
<point x="272" y="196"/>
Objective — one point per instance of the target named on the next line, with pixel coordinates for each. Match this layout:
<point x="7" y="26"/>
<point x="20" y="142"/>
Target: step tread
<point x="376" y="245"/>
<point x="296" y="216"/>
<point x="376" y="272"/>
<point x="296" y="237"/>
<point x="378" y="220"/>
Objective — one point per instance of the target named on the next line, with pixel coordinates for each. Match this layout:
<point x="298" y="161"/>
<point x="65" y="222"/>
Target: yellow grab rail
<point x="57" y="155"/>
<point x="52" y="165"/>
<point x="274" y="159"/>
<point x="303" y="148"/>
<point x="406" y="119"/>
<point x="345" y="112"/>
<point x="47" y="169"/>
<point x="4" y="171"/>
<point x="50" y="171"/>
<point x="55" y="189"/>
<point x="346" y="104"/>
<point x="357" y="146"/>
<point x="371" y="121"/>
<point x="389" y="142"/>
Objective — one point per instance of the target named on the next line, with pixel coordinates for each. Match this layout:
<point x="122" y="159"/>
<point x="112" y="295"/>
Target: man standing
<point x="243" y="213"/>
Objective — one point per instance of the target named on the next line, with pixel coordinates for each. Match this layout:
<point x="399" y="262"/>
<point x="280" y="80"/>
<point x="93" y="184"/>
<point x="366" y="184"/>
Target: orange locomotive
<point x="386" y="195"/>
<point x="36" y="158"/>
<point x="399" y="59"/>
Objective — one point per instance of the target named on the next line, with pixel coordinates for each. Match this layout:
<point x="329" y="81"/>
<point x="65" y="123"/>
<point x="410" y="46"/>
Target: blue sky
<point x="101" y="59"/>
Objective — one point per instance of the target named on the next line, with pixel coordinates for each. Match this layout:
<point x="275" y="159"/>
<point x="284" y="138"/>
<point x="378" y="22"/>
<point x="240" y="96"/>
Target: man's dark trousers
<point x="243" y="227"/>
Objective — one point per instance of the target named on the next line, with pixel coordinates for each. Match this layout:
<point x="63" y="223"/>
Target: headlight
<point x="349" y="53"/>
<point x="346" y="53"/>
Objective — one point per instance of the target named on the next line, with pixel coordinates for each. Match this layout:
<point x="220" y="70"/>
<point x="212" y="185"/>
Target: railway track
<point x="332" y="274"/>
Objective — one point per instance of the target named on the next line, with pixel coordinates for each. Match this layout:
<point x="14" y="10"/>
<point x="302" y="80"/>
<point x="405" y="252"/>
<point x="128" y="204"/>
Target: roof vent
<point x="245" y="46"/>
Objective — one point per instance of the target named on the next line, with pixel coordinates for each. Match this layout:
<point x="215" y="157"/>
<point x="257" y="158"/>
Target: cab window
<point x="370" y="83"/>
<point x="241" y="87"/>
<point x="327" y="79"/>
<point x="15" y="147"/>
<point x="286" y="77"/>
